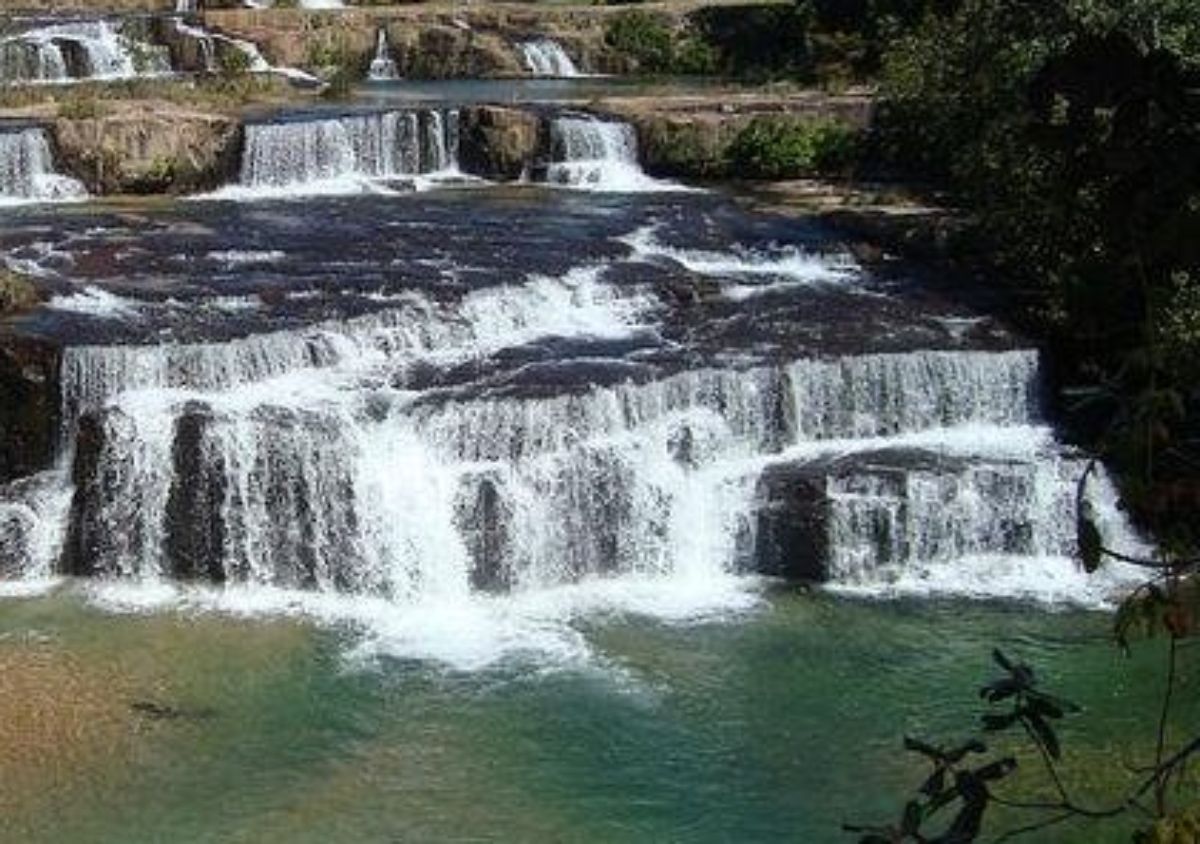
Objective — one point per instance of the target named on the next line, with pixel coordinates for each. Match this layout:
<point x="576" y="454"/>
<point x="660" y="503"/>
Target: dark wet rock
<point x="482" y="516"/>
<point x="195" y="529"/>
<point x="498" y="143"/>
<point x="29" y="406"/>
<point x="86" y="531"/>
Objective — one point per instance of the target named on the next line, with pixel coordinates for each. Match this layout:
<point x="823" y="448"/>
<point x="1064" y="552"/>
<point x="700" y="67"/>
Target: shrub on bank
<point x="780" y="147"/>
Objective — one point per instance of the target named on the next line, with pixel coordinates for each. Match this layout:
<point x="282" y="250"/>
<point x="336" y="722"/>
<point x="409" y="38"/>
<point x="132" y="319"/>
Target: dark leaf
<point x="1045" y="734"/>
<point x="912" y="818"/>
<point x="997" y="770"/>
<point x="994" y="723"/>
<point x="935" y="783"/>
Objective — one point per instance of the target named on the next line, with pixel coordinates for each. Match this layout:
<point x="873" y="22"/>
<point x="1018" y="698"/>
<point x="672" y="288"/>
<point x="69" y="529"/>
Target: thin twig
<point x="1033" y="827"/>
<point x="1160" y="790"/>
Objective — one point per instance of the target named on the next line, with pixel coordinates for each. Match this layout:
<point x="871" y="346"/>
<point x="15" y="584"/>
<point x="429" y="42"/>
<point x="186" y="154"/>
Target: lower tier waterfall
<point x="506" y="409"/>
<point x="27" y="172"/>
<point x="595" y="154"/>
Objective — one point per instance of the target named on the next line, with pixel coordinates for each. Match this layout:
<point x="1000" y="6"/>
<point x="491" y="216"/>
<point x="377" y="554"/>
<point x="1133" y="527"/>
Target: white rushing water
<point x="383" y="66"/>
<point x="74" y="50"/>
<point x="547" y="58"/>
<point x="600" y="155"/>
<point x="352" y="154"/>
<point x="27" y="172"/>
<point x="307" y="472"/>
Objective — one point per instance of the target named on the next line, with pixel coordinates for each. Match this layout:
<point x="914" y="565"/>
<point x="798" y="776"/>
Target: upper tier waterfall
<point x="347" y="154"/>
<point x="27" y="172"/>
<point x="383" y="66"/>
<point x="75" y="50"/>
<point x="544" y="57"/>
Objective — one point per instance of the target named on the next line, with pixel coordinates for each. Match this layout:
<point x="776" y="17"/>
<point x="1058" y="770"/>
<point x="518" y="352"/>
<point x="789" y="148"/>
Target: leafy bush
<point x="644" y="37"/>
<point x="783" y="147"/>
<point x="233" y="64"/>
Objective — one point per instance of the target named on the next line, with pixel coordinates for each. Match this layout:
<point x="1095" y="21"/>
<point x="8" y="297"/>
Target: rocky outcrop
<point x="195" y="531"/>
<point x="794" y="504"/>
<point x="428" y="41"/>
<point x="29" y="406"/>
<point x="691" y="136"/>
<point x="153" y="148"/>
<point x="86" y="532"/>
<point x="498" y="143"/>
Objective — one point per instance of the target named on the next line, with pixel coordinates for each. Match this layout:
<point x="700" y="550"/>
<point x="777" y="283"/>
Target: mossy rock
<point x="17" y="292"/>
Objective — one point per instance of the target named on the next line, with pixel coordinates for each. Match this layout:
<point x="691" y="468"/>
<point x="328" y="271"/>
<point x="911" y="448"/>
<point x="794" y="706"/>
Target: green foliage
<point x="963" y="778"/>
<point x="1072" y="129"/>
<point x="785" y="147"/>
<point x="645" y="37"/>
<point x="233" y="64"/>
<point x="763" y="42"/>
<point x="17" y="293"/>
<point x="1180" y="828"/>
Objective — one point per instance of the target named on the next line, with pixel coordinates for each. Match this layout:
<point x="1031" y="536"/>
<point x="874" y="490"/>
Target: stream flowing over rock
<point x="27" y="169"/>
<point x="460" y="393"/>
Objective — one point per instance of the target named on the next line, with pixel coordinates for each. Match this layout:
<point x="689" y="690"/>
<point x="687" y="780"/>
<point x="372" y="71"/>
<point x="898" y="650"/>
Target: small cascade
<point x="545" y="57"/>
<point x="27" y="171"/>
<point x="347" y="154"/>
<point x="593" y="154"/>
<point x="62" y="52"/>
<point x="383" y="66"/>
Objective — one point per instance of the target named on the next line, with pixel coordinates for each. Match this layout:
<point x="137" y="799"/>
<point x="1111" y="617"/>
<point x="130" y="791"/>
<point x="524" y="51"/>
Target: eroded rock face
<point x="153" y="148"/>
<point x="445" y="52"/>
<point x="792" y="537"/>
<point x="498" y="143"/>
<point x="28" y="406"/>
<point x="195" y="532"/>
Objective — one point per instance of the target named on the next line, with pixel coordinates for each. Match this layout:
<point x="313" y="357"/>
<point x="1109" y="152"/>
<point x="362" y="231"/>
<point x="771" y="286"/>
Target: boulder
<point x="498" y="143"/>
<point x="153" y="148"/>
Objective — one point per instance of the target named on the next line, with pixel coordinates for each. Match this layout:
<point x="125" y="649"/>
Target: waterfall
<point x="594" y="154"/>
<point x="383" y="66"/>
<point x="61" y="52"/>
<point x="272" y="461"/>
<point x="347" y="154"/>
<point x="27" y="169"/>
<point x="545" y="57"/>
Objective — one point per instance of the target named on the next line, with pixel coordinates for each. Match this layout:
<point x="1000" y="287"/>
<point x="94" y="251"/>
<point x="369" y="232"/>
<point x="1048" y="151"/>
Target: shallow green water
<point x="776" y="726"/>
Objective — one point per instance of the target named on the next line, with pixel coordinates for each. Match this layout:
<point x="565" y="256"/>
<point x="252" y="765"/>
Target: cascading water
<point x="62" y="52"/>
<point x="545" y="57"/>
<point x="27" y="171"/>
<point x="347" y="154"/>
<point x="559" y="440"/>
<point x="383" y="66"/>
<point x="593" y="154"/>
<point x="293" y="460"/>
